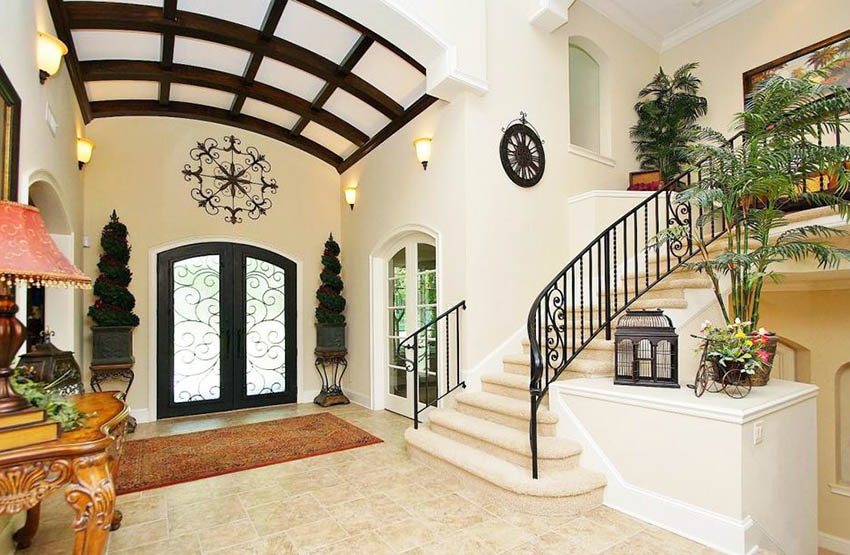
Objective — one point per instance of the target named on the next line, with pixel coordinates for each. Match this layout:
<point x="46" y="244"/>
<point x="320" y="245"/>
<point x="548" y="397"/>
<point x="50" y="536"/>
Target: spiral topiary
<point x="331" y="302"/>
<point x="114" y="305"/>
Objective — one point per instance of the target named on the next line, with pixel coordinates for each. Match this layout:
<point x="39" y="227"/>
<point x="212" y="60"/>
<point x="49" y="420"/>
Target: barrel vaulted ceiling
<point x="293" y="70"/>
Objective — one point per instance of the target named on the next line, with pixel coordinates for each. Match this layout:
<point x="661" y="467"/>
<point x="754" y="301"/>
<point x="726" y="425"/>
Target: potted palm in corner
<point x="667" y="111"/>
<point x="749" y="186"/>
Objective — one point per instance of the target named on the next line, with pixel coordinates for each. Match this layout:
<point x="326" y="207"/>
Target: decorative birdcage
<point x="647" y="350"/>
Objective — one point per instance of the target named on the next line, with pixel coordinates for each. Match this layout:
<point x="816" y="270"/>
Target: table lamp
<point x="28" y="256"/>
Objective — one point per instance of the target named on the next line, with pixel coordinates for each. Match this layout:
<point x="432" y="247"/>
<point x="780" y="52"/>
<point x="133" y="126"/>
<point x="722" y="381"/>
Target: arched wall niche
<point x="842" y="424"/>
<point x="59" y="304"/>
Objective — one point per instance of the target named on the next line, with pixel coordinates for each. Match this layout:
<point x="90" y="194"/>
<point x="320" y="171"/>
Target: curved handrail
<point x="601" y="245"/>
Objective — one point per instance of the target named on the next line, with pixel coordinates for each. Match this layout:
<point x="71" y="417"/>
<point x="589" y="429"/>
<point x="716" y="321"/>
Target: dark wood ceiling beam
<point x="117" y="108"/>
<point x="109" y="15"/>
<point x="354" y="55"/>
<point x="266" y="33"/>
<point x="414" y="110"/>
<point x="169" y="11"/>
<point x="63" y="32"/>
<point x="132" y="70"/>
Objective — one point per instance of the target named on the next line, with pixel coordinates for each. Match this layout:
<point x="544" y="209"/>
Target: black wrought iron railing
<point x="615" y="270"/>
<point x="436" y="361"/>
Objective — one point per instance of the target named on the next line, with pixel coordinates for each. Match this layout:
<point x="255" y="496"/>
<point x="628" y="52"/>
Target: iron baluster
<point x="646" y="244"/>
<point x="581" y="298"/>
<point x="416" y="385"/>
<point x="625" y="263"/>
<point x="608" y="287"/>
<point x="637" y="250"/>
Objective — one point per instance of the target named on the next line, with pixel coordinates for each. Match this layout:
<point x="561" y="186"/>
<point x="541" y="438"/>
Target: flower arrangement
<point x="733" y="349"/>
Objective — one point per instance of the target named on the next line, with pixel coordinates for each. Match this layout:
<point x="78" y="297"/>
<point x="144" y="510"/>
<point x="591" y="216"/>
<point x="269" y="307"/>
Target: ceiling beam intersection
<point x="169" y="12"/>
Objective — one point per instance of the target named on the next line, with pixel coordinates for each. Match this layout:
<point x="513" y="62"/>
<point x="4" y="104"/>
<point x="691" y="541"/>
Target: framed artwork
<point x="811" y="57"/>
<point x="10" y="124"/>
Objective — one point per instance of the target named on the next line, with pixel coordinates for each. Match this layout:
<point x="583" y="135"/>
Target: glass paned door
<point x="411" y="303"/>
<point x="226" y="329"/>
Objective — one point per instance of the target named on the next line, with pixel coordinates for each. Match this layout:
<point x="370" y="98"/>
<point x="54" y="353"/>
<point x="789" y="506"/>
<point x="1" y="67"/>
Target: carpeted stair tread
<point x="501" y="473"/>
<point x="505" y="405"/>
<point x="596" y="344"/>
<point x="503" y="436"/>
<point x="506" y="379"/>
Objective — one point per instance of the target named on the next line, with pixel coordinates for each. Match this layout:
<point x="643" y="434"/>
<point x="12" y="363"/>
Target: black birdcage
<point x="647" y="350"/>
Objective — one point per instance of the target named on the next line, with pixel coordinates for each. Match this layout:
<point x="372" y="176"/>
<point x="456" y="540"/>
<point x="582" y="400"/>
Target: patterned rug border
<point x="373" y="441"/>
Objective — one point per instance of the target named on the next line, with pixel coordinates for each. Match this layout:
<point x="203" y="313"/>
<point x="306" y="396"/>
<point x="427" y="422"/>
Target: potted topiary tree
<point x="330" y="322"/>
<point x="112" y="312"/>
<point x="666" y="127"/>
<point x="749" y="185"/>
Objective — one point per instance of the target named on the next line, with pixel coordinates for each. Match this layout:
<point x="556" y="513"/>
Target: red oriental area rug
<point x="162" y="461"/>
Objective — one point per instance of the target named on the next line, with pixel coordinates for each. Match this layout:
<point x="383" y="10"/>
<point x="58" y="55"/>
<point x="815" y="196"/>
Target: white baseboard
<point x="834" y="543"/>
<point x="141" y="415"/>
<point x="720" y="532"/>
<point x="493" y="361"/>
<point x="359" y="398"/>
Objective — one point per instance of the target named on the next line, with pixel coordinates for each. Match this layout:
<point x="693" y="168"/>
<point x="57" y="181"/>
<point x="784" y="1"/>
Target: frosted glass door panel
<point x="197" y="334"/>
<point x="265" y="331"/>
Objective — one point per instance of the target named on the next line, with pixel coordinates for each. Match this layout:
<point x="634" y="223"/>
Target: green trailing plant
<point x="331" y="301"/>
<point x="750" y="186"/>
<point x="731" y="347"/>
<point x="55" y="406"/>
<point x="667" y="112"/>
<point x="114" y="305"/>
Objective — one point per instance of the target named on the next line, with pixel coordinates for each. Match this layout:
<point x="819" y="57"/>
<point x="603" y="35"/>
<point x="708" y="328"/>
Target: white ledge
<point x="608" y="193"/>
<point x="761" y="401"/>
<point x="590" y="155"/>
<point x="840" y="489"/>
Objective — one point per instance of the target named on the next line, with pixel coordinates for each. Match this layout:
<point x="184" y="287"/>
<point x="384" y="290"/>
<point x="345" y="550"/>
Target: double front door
<point x="226" y="329"/>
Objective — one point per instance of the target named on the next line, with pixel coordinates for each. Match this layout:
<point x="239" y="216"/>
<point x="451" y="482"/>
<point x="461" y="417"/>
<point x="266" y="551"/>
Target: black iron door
<point x="226" y="329"/>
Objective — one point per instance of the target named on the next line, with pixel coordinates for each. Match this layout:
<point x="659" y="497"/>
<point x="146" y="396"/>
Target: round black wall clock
<point x="521" y="151"/>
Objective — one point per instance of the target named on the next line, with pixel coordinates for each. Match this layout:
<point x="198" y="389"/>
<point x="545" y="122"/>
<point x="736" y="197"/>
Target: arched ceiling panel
<point x="294" y="70"/>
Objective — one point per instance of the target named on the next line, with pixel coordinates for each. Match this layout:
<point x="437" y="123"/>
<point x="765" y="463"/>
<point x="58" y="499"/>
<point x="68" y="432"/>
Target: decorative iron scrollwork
<point x="230" y="179"/>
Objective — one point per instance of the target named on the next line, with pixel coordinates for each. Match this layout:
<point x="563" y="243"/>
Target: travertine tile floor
<point x="371" y="500"/>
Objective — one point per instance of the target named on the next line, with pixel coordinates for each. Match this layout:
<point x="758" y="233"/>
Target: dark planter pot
<point x="330" y="338"/>
<point x="112" y="345"/>
<point x="762" y="375"/>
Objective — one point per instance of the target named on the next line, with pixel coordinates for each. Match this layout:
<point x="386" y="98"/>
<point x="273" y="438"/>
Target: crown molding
<point x="706" y="21"/>
<point x="613" y="12"/>
<point x="550" y="14"/>
<point x="660" y="43"/>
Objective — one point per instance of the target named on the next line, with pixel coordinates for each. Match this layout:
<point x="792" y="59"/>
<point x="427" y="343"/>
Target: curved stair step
<point x="566" y="492"/>
<point x="505" y="411"/>
<point x="506" y="384"/>
<point x="553" y="454"/>
<point x="521" y="364"/>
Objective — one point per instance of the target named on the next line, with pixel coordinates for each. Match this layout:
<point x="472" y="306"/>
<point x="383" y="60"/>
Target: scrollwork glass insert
<point x="197" y="333"/>
<point x="265" y="328"/>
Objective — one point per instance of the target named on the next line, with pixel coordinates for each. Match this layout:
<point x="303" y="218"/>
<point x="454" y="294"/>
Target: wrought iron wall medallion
<point x="230" y="179"/>
<point x="521" y="151"/>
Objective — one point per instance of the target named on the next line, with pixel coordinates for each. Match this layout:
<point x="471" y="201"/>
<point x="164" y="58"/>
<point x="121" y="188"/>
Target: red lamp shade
<point x="28" y="254"/>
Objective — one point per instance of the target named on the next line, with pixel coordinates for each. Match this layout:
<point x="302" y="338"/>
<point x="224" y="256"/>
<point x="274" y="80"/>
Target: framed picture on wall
<point x="10" y="124"/>
<point x="815" y="56"/>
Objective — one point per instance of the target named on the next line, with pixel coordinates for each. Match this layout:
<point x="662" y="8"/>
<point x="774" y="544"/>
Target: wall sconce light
<point x="423" y="151"/>
<point x="49" y="55"/>
<point x="350" y="196"/>
<point x="84" y="150"/>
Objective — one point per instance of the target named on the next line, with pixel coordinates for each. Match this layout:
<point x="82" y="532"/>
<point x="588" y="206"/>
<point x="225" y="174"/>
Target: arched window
<point x="584" y="99"/>
<point x="842" y="421"/>
<point x="590" y="112"/>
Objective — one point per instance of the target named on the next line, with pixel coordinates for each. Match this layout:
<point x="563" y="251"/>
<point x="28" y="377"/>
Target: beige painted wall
<point x="763" y="33"/>
<point x="44" y="158"/>
<point x="136" y="170"/>
<point x="815" y="320"/>
<point x="501" y="243"/>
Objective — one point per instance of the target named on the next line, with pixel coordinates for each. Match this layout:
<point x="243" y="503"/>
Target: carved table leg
<point x="92" y="495"/>
<point x="23" y="537"/>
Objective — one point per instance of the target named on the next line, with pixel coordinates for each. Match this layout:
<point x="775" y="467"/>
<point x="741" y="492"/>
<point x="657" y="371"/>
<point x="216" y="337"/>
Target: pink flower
<point x="763" y="355"/>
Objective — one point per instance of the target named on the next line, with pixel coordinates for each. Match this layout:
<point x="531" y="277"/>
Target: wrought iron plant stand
<point x="331" y="365"/>
<point x="712" y="378"/>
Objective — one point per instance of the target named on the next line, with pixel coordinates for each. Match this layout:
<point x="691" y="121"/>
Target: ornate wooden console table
<point x="85" y="459"/>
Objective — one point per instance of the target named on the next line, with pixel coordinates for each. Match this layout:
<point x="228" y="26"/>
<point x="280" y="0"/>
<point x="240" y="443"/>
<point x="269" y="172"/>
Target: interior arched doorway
<point x="406" y="292"/>
<point x="51" y="307"/>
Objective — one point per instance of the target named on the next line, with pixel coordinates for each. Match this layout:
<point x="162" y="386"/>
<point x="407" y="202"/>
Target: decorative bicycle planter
<point x="714" y="378"/>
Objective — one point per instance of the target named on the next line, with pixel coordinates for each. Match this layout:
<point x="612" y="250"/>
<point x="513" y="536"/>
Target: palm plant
<point x="666" y="127"/>
<point x="749" y="187"/>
